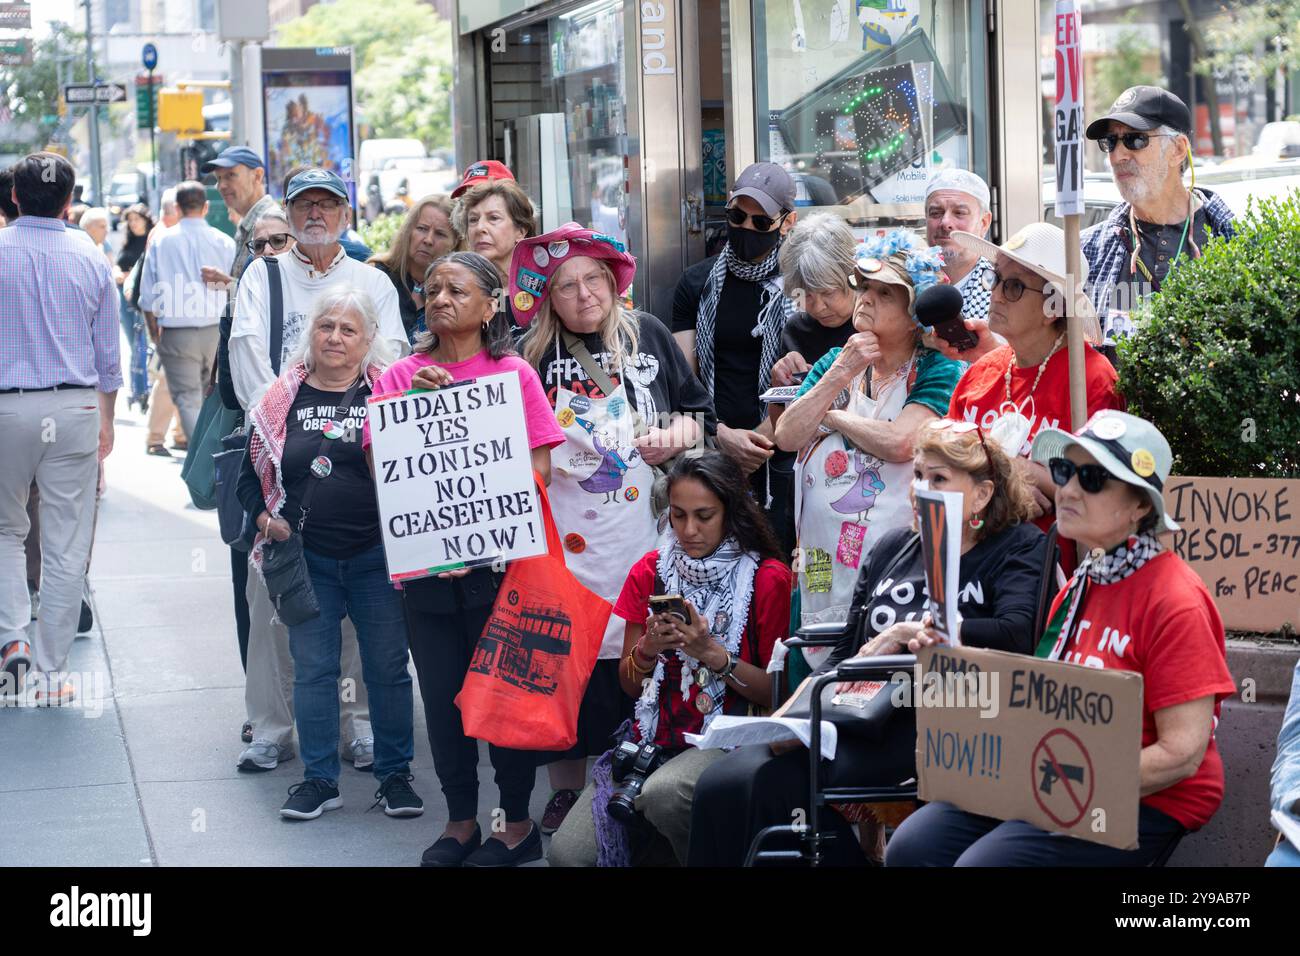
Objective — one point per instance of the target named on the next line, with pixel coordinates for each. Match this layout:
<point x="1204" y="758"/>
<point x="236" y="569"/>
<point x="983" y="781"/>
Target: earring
<point x="976" y="522"/>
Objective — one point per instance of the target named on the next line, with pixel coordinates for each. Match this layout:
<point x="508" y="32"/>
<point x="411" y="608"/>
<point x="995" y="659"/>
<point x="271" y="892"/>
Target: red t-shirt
<point x="769" y="610"/>
<point x="980" y="393"/>
<point x="1161" y="622"/>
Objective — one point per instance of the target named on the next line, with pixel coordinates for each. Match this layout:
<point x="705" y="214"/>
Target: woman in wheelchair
<point x="703" y="613"/>
<point x="1131" y="606"/>
<point x="1002" y="557"/>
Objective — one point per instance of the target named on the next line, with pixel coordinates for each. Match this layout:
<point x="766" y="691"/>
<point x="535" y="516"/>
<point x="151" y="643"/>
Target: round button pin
<point x="565" y="417"/>
<point x="322" y="467"/>
<point x="1143" y="462"/>
<point x="541" y="258"/>
<point x="333" y="430"/>
<point x="524" y="301"/>
<point x="558" y="250"/>
<point x="1108" y="428"/>
<point x="575" y="543"/>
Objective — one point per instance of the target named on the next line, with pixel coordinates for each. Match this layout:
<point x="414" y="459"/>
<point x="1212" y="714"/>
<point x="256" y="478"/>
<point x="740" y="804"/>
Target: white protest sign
<point x="454" y="477"/>
<point x="1068" y="114"/>
<point x="940" y="514"/>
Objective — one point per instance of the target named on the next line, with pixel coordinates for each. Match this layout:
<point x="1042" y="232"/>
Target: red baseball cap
<point x="481" y="172"/>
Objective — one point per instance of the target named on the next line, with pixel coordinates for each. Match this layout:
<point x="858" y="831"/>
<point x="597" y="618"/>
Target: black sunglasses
<point x="737" y="216"/>
<point x="1092" y="478"/>
<point x="276" y="242"/>
<point x="1132" y="141"/>
<point x="1012" y="288"/>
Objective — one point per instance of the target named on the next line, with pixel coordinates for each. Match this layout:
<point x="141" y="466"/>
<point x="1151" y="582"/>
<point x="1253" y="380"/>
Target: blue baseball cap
<point x="235" y="156"/>
<point x="316" y="178"/>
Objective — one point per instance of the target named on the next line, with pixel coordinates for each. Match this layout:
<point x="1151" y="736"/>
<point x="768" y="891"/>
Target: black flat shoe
<point x="494" y="853"/>
<point x="451" y="852"/>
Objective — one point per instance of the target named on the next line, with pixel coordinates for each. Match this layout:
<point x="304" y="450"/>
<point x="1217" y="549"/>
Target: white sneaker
<point x="263" y="755"/>
<point x="361" y="752"/>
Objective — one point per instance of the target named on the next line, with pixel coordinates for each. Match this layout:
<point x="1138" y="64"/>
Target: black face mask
<point x="752" y="246"/>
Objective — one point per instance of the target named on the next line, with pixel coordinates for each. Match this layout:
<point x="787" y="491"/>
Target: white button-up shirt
<point x="171" y="282"/>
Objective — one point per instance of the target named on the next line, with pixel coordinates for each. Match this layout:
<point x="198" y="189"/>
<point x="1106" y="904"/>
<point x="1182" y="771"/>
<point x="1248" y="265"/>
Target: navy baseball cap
<point x="235" y="156"/>
<point x="316" y="178"/>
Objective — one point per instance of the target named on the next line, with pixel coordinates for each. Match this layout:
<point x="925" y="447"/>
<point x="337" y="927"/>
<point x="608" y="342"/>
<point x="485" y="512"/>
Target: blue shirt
<point x="171" y="282"/>
<point x="58" y="313"/>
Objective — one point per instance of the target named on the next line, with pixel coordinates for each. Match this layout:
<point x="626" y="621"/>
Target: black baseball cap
<point x="767" y="184"/>
<point x="1144" y="108"/>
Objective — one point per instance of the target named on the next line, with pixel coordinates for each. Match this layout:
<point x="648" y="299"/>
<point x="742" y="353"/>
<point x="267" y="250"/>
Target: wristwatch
<point x="732" y="662"/>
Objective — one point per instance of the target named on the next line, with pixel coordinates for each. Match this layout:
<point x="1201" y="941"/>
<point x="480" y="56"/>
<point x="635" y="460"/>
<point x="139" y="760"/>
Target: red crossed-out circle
<point x="1066" y="748"/>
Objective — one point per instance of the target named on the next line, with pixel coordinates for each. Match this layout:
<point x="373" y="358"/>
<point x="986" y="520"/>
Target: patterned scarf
<point x="720" y="586"/>
<point x="772" y="315"/>
<point x="1099" y="567"/>
<point x="269" y="421"/>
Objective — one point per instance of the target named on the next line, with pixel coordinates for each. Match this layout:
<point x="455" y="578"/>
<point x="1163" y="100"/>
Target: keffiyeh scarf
<point x="1099" y="567"/>
<point x="721" y="587"/>
<point x="772" y="316"/>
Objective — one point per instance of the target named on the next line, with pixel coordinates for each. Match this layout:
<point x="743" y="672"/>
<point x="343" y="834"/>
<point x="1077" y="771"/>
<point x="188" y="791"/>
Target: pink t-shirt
<point x="542" y="426"/>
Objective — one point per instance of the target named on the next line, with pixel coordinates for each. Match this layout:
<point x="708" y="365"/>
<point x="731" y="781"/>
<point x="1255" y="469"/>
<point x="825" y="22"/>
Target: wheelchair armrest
<point x="817" y="635"/>
<point x="874" y="668"/>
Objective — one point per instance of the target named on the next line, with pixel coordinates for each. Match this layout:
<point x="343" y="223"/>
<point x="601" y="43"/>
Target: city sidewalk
<point x="142" y="771"/>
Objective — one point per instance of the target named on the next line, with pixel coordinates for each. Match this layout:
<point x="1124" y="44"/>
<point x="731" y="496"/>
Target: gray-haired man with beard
<point x="1146" y="137"/>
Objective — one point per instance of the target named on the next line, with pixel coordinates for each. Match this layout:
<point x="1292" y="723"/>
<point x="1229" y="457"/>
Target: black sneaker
<point x="494" y="853"/>
<point x="451" y="852"/>
<point x="397" y="797"/>
<point x="311" y="798"/>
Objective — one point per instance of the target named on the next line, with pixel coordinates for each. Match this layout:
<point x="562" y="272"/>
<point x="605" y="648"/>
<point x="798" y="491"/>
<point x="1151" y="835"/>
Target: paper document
<point x="727" y="731"/>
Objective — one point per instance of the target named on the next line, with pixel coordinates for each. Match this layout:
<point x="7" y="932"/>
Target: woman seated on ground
<point x="1108" y="498"/>
<point x="305" y="473"/>
<point x="721" y="557"/>
<point x="1001" y="563"/>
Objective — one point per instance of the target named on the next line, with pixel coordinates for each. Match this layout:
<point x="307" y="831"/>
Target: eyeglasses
<point x="1092" y="478"/>
<point x="1132" y="141"/>
<point x="737" y="217"/>
<point x="324" y="205"/>
<point x="1012" y="288"/>
<point x="277" y="242"/>
<point x="569" y="290"/>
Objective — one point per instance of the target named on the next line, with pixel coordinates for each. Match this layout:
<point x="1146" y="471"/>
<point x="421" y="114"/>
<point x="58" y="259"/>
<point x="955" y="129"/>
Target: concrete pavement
<point x="142" y="772"/>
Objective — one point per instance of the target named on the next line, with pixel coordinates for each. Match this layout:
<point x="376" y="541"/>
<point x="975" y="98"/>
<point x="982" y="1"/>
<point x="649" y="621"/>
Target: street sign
<point x="15" y="52"/>
<point x="149" y="56"/>
<point x="146" y="99"/>
<point x="16" y="16"/>
<point x="83" y="94"/>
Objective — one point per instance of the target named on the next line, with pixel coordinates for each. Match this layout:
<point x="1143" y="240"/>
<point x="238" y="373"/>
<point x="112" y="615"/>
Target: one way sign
<point x="82" y="94"/>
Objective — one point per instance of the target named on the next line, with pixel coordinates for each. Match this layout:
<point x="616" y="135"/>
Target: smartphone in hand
<point x="671" y="604"/>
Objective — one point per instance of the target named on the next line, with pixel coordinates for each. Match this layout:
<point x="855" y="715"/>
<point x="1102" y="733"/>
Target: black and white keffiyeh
<point x="720" y="587"/>
<point x="776" y="309"/>
<point x="974" y="288"/>
<point x="1099" y="567"/>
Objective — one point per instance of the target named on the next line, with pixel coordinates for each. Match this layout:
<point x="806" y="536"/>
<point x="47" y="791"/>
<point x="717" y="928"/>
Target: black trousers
<point x="441" y="646"/>
<point x="750" y="789"/>
<point x="239" y="579"/>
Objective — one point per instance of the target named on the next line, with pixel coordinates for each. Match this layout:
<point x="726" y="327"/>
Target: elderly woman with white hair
<point x="306" y="474"/>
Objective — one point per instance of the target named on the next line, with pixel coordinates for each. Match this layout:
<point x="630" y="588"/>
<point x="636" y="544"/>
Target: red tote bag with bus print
<point x="532" y="662"/>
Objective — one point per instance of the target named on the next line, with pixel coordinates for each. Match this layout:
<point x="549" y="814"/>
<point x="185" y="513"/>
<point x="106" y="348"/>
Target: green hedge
<point x="379" y="234"/>
<point x="1215" y="363"/>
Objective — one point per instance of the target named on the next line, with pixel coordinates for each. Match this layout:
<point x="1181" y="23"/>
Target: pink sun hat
<point x="536" y="260"/>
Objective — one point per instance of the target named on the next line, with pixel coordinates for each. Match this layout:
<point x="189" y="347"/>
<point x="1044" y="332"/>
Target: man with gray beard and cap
<point x="318" y="207"/>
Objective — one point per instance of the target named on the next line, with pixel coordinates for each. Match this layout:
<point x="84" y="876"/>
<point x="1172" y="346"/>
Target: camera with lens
<point x="632" y="764"/>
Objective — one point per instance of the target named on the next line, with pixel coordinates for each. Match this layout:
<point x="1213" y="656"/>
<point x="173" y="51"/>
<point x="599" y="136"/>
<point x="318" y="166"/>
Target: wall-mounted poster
<point x="307" y="110"/>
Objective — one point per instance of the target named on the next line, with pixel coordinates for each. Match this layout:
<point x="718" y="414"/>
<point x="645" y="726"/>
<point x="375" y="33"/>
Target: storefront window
<point x="863" y="100"/>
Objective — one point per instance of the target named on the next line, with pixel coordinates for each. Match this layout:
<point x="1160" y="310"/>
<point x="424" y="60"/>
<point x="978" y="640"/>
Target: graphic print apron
<point x="600" y="496"/>
<point x="845" y="499"/>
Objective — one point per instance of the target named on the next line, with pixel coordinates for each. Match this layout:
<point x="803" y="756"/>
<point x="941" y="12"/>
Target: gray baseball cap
<point x="768" y="185"/>
<point x="316" y="178"/>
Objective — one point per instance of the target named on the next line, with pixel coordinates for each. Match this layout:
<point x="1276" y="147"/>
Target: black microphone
<point x="940" y="308"/>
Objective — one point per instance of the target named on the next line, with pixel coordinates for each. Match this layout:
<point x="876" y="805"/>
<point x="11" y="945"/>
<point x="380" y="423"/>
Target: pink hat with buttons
<point x="536" y="260"/>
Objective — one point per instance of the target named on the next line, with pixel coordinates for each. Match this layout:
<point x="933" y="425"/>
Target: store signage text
<point x="654" y="41"/>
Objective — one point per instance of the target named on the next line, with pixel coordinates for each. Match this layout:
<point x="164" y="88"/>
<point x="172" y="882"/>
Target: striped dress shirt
<point x="58" y="309"/>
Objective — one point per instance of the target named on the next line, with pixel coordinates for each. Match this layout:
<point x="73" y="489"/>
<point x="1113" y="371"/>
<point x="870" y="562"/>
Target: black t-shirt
<point x="811" y="339"/>
<point x="1160" y="242"/>
<point x="660" y="380"/>
<point x="412" y="314"/>
<point x="998" y="600"/>
<point x="132" y="250"/>
<point x="344" y="516"/>
<point x="737" y="353"/>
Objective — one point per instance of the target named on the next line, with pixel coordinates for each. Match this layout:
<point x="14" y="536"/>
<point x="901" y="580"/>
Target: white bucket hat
<point x="1039" y="247"/>
<point x="1130" y="448"/>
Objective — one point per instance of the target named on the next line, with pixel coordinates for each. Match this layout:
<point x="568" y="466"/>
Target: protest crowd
<point x="705" y="486"/>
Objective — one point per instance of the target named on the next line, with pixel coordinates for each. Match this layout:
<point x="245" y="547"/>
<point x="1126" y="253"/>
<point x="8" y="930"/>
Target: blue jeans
<point x="358" y="587"/>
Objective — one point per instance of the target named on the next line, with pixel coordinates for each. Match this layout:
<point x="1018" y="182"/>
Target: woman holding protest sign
<point x="468" y="338"/>
<point x="628" y="402"/>
<point x="1000" y="572"/>
<point x="854" y="423"/>
<point x="1131" y="606"/>
<point x="306" y="475"/>
<point x="703" y="613"/>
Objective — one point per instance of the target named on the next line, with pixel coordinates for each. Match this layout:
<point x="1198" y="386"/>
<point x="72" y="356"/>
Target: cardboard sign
<point x="1067" y="117"/>
<point x="454" y="477"/>
<point x="1017" y="738"/>
<point x="1242" y="536"/>
<point x="940" y="523"/>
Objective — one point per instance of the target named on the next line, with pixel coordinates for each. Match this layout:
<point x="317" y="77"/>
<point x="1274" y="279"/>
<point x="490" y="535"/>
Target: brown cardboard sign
<point x="1242" y="537"/>
<point x="1018" y="738"/>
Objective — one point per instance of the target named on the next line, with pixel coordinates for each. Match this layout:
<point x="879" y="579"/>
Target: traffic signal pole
<point x="153" y="144"/>
<point x="96" y="170"/>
